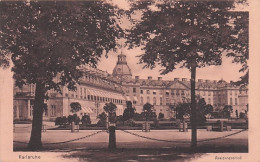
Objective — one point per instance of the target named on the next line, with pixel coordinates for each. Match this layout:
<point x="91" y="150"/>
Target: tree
<point x="205" y="108"/>
<point x="148" y="111"/>
<point x="237" y="114"/>
<point x="110" y="109"/>
<point x="182" y="110"/>
<point x="86" y="120"/>
<point x="102" y="119"/>
<point x="129" y="111"/>
<point x="192" y="34"/>
<point x="239" y="44"/>
<point x="75" y="107"/>
<point x="50" y="41"/>
<point x="227" y="110"/>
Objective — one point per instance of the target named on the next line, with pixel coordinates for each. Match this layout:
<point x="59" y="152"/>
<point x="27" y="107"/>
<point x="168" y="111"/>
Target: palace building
<point x="98" y="87"/>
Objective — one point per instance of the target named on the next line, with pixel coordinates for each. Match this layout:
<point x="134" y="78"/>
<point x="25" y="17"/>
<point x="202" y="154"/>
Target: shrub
<point x="242" y="115"/>
<point x="102" y="119"/>
<point x="86" y="120"/>
<point x="73" y="118"/>
<point x="161" y="116"/>
<point x="58" y="121"/>
<point x="129" y="122"/>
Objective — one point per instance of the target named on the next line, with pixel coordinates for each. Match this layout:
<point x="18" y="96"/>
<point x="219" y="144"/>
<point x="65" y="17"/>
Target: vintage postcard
<point x="155" y="80"/>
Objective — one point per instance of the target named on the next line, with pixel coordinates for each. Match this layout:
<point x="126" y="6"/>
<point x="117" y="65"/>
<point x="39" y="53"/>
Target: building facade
<point x="98" y="87"/>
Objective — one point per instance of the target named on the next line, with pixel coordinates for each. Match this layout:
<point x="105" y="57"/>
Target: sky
<point x="228" y="71"/>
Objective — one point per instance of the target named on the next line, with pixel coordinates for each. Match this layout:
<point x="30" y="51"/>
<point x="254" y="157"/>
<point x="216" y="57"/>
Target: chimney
<point x="136" y="77"/>
<point x="176" y="79"/>
<point x="184" y="79"/>
<point x="159" y="78"/>
<point x="149" y="78"/>
<point x="200" y="80"/>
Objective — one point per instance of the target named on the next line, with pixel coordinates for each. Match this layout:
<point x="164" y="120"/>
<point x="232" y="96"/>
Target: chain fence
<point x="76" y="139"/>
<point x="181" y="141"/>
<point x="135" y="134"/>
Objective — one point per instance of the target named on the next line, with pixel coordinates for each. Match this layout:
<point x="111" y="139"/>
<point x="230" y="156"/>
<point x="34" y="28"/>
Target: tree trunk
<point x="193" y="108"/>
<point x="35" y="139"/>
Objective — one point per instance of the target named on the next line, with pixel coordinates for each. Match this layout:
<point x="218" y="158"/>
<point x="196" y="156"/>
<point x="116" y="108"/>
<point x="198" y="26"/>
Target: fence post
<point x="72" y="126"/>
<point x="221" y="126"/>
<point x="184" y="126"/>
<point x="112" y="136"/>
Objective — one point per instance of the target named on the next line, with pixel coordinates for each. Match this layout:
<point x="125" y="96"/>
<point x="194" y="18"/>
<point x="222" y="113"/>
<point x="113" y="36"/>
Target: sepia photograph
<point x="128" y="80"/>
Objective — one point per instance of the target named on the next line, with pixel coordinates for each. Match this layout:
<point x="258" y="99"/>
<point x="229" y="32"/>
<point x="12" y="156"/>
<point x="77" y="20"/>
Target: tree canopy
<point x="50" y="41"/>
<point x="129" y="111"/>
<point x="191" y="34"/>
<point x="75" y="107"/>
<point x="179" y="32"/>
<point x="50" y="38"/>
<point x="110" y="108"/>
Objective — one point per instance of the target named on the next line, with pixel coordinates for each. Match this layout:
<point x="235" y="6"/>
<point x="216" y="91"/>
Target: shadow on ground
<point x="163" y="154"/>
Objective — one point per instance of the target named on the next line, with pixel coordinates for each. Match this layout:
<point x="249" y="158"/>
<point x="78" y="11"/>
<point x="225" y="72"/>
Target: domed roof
<point x="121" y="69"/>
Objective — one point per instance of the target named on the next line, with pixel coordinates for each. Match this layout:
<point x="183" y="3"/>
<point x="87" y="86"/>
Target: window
<point x="53" y="110"/>
<point x="160" y="92"/>
<point x="167" y="93"/>
<point x="209" y="93"/>
<point x="177" y="92"/>
<point x="231" y="93"/>
<point x="134" y="102"/>
<point x="148" y="99"/>
<point x="235" y="101"/>
<point x="231" y="101"/>
<point x="141" y="91"/>
<point x="167" y="101"/>
<point x="209" y="101"/>
<point x="81" y="93"/>
<point x="172" y="92"/>
<point x="20" y="111"/>
<point x="134" y="90"/>
<point x="142" y="100"/>
<point x="154" y="100"/>
<point x="204" y="93"/>
<point x="147" y="91"/>
<point x="161" y="101"/>
<point x="31" y="110"/>
<point x="85" y="93"/>
<point x="182" y="93"/>
<point x="154" y="92"/>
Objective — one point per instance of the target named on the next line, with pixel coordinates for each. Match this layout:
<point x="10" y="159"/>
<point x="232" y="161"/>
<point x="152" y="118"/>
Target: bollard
<point x="112" y="137"/>
<point x="221" y="126"/>
<point x="185" y="126"/>
<point x="73" y="127"/>
<point x="147" y="126"/>
<point x="181" y="127"/>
